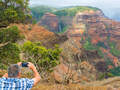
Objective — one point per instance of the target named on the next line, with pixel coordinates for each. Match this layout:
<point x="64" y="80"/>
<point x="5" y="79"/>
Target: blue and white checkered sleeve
<point x="30" y="83"/>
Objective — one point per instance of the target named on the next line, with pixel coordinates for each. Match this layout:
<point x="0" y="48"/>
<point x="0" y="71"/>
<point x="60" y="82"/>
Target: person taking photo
<point x="13" y="81"/>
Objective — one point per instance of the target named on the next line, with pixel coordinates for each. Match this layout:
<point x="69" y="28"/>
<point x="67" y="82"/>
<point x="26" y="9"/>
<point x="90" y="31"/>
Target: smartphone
<point x="24" y="64"/>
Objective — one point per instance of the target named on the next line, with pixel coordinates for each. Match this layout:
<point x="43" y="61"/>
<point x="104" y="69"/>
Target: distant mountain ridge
<point x="62" y="16"/>
<point x="39" y="11"/>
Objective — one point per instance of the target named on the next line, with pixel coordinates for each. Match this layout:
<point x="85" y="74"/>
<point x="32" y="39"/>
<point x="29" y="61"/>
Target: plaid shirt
<point x="16" y="84"/>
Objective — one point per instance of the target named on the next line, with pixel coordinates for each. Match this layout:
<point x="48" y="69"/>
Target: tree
<point x="13" y="11"/>
<point x="9" y="35"/>
<point x="9" y="49"/>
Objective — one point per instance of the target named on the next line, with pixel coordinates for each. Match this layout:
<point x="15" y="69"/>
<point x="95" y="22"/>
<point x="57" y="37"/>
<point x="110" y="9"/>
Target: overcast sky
<point x="109" y="7"/>
<point x="109" y="3"/>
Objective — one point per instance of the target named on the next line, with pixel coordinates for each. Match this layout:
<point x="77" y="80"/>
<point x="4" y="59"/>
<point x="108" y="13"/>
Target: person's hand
<point x="31" y="65"/>
<point x="19" y="63"/>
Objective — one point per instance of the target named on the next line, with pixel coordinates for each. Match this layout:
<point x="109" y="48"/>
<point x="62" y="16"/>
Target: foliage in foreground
<point x="11" y="35"/>
<point x="13" y="11"/>
<point x="9" y="49"/>
<point x="44" y="59"/>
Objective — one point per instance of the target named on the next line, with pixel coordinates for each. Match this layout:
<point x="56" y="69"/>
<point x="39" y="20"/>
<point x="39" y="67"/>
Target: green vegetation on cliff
<point x="39" y="11"/>
<point x="113" y="49"/>
<point x="90" y="47"/>
<point x="73" y="10"/>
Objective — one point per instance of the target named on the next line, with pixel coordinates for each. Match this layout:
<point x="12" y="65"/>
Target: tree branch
<point x="3" y="44"/>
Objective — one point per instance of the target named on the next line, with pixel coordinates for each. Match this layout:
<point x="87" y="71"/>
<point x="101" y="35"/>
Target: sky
<point x="109" y="7"/>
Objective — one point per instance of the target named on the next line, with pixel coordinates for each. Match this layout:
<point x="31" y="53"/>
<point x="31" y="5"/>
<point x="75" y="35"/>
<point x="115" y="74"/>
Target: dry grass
<point x="67" y="87"/>
<point x="107" y="84"/>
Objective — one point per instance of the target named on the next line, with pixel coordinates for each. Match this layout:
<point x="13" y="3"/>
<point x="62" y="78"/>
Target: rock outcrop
<point x="101" y="30"/>
<point x="50" y="21"/>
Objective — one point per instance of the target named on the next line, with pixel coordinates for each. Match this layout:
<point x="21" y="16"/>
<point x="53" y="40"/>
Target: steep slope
<point x="93" y="46"/>
<point x="50" y="21"/>
<point x="38" y="33"/>
<point x="102" y="32"/>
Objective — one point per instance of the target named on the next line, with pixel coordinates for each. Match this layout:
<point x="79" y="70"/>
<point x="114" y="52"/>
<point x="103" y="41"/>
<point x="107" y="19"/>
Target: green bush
<point x="109" y="62"/>
<point x="113" y="49"/>
<point x="115" y="71"/>
<point x="9" y="54"/>
<point x="10" y="13"/>
<point x="9" y="51"/>
<point x="10" y="35"/>
<point x="44" y="59"/>
<point x="100" y="53"/>
<point x="115" y="52"/>
<point x="88" y="45"/>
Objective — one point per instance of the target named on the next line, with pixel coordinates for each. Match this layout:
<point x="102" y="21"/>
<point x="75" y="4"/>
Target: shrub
<point x="9" y="51"/>
<point x="88" y="46"/>
<point x="12" y="11"/>
<point x="109" y="62"/>
<point x="115" y="52"/>
<point x="10" y="35"/>
<point x="44" y="59"/>
<point x="113" y="49"/>
<point x="115" y="71"/>
<point x="9" y="54"/>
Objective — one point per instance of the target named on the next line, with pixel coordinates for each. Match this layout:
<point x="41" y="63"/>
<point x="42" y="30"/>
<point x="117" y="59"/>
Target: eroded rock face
<point x="50" y="21"/>
<point x="98" y="28"/>
<point x="98" y="25"/>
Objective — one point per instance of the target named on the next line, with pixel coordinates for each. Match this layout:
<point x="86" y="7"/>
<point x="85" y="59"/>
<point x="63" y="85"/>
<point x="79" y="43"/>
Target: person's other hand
<point x="31" y="65"/>
<point x="19" y="63"/>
